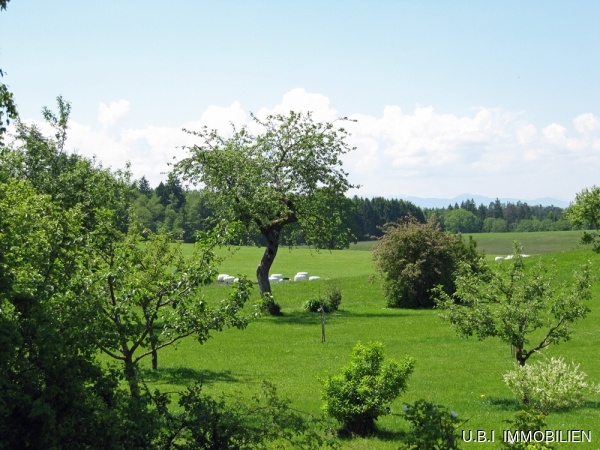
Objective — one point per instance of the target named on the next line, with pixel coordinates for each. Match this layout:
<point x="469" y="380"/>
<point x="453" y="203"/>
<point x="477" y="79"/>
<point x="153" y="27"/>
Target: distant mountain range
<point x="479" y="199"/>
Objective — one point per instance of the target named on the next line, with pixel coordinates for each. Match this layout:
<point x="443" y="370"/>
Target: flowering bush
<point x="549" y="385"/>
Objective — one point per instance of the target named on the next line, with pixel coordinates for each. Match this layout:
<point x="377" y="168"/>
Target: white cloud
<point x="422" y="152"/>
<point x="586" y="123"/>
<point x="299" y="100"/>
<point x="109" y="114"/>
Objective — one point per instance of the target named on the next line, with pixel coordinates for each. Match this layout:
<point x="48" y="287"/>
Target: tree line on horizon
<point x="180" y="211"/>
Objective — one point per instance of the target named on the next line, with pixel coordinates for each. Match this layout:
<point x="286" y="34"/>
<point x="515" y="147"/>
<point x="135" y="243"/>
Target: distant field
<point x="502" y="243"/>
<point x="533" y="243"/>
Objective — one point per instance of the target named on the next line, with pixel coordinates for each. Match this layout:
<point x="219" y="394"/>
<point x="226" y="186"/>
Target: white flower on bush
<point x="549" y="385"/>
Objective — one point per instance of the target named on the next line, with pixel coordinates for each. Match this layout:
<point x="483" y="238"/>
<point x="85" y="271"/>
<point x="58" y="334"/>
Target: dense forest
<point x="180" y="211"/>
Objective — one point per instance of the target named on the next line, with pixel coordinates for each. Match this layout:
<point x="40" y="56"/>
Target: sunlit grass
<point x="463" y="374"/>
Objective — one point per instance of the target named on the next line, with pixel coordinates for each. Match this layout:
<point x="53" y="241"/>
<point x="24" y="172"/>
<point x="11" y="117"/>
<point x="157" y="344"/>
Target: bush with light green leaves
<point x="365" y="389"/>
<point x="549" y="385"/>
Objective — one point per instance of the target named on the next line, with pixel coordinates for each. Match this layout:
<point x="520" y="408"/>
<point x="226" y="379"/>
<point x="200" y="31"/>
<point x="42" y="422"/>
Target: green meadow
<point x="464" y="375"/>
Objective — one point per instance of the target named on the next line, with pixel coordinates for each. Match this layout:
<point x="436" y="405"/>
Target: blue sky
<point x="498" y="98"/>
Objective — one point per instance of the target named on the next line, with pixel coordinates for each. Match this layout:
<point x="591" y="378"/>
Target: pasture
<point x="464" y="375"/>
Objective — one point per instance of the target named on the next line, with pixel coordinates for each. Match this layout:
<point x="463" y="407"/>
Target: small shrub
<point x="526" y="421"/>
<point x="269" y="305"/>
<point x="334" y="298"/>
<point x="315" y="305"/>
<point x="412" y="258"/>
<point x="266" y="421"/>
<point x="331" y="302"/>
<point x="365" y="388"/>
<point x="432" y="427"/>
<point x="549" y="385"/>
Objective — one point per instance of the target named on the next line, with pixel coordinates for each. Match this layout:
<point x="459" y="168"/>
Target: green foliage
<point x="433" y="427"/>
<point x="512" y="304"/>
<point x="267" y="421"/>
<point x="269" y="305"/>
<point x="585" y="211"/>
<point x="52" y="392"/>
<point x="137" y="285"/>
<point x="527" y="421"/>
<point x="461" y="221"/>
<point x="492" y="225"/>
<point x="365" y="388"/>
<point x="288" y="176"/>
<point x="7" y="102"/>
<point x="412" y="258"/>
<point x="331" y="302"/>
<point x="549" y="385"/>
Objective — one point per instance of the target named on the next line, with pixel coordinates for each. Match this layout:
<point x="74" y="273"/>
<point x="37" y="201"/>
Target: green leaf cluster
<point x="412" y="258"/>
<point x="585" y="212"/>
<point x="433" y="427"/>
<point x="512" y="303"/>
<point x="365" y="388"/>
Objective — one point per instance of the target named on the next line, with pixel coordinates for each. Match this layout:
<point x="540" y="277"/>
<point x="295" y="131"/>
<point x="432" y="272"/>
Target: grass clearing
<point x="463" y="374"/>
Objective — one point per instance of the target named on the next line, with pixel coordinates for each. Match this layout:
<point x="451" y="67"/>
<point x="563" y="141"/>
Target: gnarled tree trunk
<point x="272" y="234"/>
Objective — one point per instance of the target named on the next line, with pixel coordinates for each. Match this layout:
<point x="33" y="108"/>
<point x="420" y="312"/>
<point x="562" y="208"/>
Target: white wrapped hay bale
<point x="314" y="278"/>
<point x="498" y="258"/>
<point x="274" y="279"/>
<point x="228" y="279"/>
<point x="222" y="277"/>
<point x="301" y="276"/>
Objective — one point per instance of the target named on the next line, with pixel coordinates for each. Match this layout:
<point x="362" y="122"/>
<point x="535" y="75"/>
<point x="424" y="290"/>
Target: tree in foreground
<point x="412" y="258"/>
<point x="365" y="389"/>
<point x="585" y="211"/>
<point x="285" y="183"/>
<point x="515" y="304"/>
<point x="147" y="295"/>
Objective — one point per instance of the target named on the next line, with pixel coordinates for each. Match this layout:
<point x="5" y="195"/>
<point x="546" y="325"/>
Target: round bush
<point x="412" y="258"/>
<point x="365" y="389"/>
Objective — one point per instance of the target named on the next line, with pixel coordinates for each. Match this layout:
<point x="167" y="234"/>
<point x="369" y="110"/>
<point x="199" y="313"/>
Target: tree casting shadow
<point x="185" y="376"/>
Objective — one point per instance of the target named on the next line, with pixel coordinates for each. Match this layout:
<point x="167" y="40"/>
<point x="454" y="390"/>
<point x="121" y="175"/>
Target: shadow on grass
<point x="504" y="403"/>
<point x="511" y="404"/>
<point x="184" y="376"/>
<point x="379" y="434"/>
<point x="310" y="318"/>
<point x="592" y="404"/>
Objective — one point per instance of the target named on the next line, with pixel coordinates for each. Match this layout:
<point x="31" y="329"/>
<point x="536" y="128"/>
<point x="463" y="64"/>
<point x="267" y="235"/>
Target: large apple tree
<point x="284" y="183"/>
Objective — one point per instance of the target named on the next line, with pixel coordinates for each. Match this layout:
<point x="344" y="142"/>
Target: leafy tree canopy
<point x="515" y="305"/>
<point x="585" y="211"/>
<point x="289" y="173"/>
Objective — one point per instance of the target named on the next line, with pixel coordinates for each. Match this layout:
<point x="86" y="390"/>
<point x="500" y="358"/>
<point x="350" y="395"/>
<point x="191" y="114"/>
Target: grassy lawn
<point x="463" y="374"/>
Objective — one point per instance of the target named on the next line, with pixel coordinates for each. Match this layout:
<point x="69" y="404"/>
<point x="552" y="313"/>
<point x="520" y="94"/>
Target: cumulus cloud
<point x="299" y="100"/>
<point x="420" y="152"/>
<point x="109" y="114"/>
